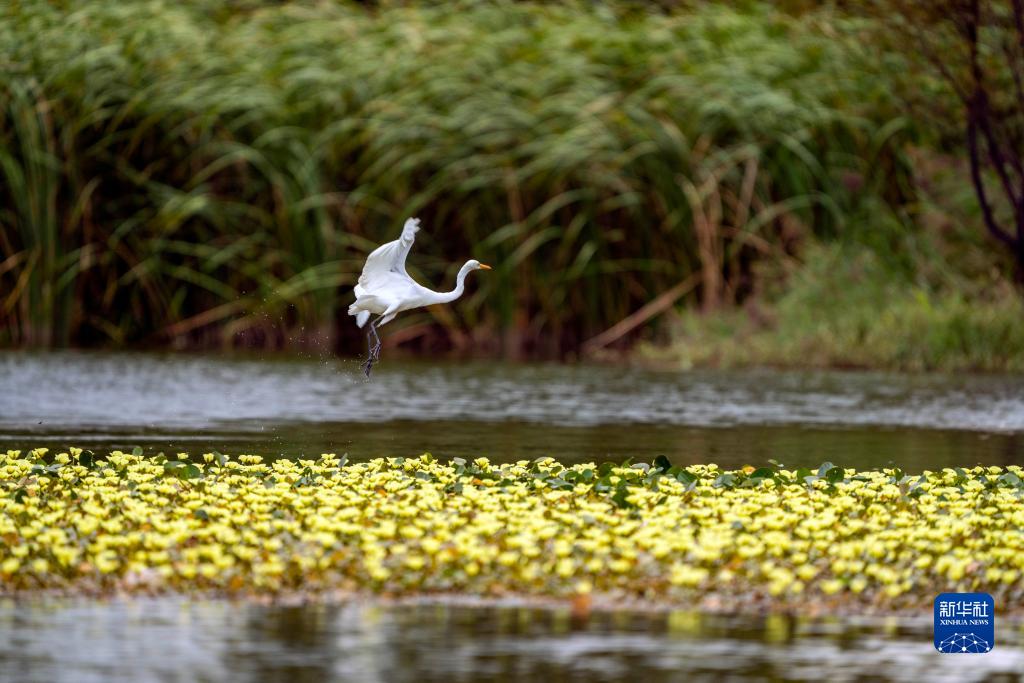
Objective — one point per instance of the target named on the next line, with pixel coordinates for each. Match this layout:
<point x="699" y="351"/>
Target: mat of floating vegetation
<point x="696" y="536"/>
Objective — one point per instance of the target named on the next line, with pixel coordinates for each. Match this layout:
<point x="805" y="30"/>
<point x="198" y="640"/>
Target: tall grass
<point x="847" y="307"/>
<point x="178" y="172"/>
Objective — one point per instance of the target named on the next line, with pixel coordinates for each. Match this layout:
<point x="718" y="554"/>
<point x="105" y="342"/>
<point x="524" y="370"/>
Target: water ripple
<point x="85" y="390"/>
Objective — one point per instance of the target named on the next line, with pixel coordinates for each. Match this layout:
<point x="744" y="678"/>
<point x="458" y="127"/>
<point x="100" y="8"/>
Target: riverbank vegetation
<point x="200" y="174"/>
<point x="764" y="538"/>
<point x="846" y="307"/>
<point x="925" y="290"/>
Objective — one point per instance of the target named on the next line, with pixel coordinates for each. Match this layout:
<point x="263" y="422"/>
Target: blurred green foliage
<point x="848" y="307"/>
<point x="214" y="173"/>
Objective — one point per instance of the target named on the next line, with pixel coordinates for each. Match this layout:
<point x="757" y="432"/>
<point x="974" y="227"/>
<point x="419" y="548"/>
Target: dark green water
<point x="306" y="407"/>
<point x="294" y="407"/>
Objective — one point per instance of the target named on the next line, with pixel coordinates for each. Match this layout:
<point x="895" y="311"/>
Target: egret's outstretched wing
<point x="389" y="258"/>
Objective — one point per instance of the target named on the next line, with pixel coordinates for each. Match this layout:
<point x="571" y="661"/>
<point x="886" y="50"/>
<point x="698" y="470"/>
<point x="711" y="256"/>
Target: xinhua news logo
<point x="965" y="623"/>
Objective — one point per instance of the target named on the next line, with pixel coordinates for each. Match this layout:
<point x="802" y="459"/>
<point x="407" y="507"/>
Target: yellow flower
<point x="267" y="527"/>
<point x="685" y="575"/>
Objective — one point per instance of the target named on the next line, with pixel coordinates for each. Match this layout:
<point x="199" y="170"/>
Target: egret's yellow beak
<point x="484" y="266"/>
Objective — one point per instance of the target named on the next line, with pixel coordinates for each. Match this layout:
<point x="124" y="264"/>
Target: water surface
<point x="168" y="639"/>
<point x="292" y="406"/>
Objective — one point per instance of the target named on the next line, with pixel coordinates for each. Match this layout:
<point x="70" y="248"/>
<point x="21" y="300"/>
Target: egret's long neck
<point x="460" y="286"/>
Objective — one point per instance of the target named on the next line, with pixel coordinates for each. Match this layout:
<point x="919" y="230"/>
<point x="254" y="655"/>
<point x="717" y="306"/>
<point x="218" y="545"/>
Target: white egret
<point x="385" y="289"/>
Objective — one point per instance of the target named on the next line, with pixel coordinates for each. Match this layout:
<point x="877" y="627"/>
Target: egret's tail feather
<point x="361" y="314"/>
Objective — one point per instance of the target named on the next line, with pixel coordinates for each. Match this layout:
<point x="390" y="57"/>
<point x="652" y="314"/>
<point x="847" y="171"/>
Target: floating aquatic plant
<point x="75" y="521"/>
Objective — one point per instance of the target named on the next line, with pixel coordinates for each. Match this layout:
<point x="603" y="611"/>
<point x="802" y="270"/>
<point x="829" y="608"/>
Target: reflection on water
<point x="169" y="639"/>
<point x="505" y="411"/>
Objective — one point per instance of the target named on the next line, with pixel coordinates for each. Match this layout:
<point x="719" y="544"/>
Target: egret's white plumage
<point x="386" y="289"/>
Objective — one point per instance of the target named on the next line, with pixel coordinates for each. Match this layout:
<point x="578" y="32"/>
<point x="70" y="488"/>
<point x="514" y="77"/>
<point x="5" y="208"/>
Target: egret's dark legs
<point x="372" y="348"/>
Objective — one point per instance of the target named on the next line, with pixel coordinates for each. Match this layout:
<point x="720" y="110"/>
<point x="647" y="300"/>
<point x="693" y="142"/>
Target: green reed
<point x="179" y="172"/>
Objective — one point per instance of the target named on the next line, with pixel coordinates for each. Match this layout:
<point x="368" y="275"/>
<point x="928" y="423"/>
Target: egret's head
<point x="476" y="265"/>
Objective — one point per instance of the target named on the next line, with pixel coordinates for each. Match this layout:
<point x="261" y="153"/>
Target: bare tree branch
<point x="979" y="186"/>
